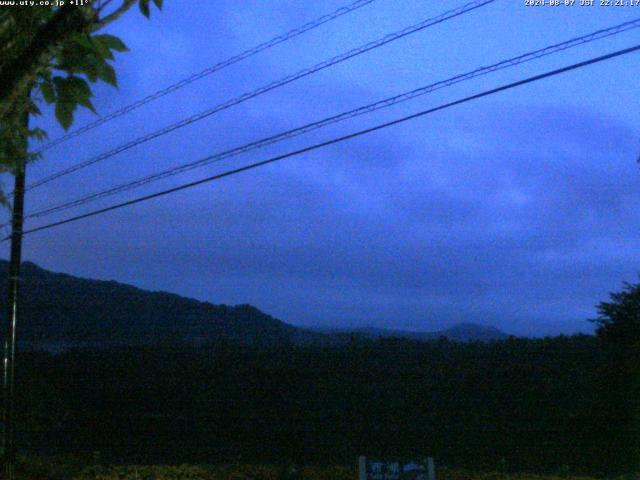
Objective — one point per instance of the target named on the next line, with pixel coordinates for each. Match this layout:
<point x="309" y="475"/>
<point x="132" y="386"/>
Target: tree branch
<point x="113" y="16"/>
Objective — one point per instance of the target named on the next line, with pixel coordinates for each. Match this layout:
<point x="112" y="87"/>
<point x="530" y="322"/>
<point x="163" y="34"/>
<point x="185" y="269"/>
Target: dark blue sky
<point x="521" y="210"/>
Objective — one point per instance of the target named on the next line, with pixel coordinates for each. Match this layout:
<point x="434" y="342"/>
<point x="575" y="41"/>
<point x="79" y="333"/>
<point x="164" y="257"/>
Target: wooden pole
<point x="8" y="434"/>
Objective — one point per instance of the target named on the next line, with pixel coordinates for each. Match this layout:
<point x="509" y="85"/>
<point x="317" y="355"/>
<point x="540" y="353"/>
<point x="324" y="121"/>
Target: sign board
<point x="372" y="469"/>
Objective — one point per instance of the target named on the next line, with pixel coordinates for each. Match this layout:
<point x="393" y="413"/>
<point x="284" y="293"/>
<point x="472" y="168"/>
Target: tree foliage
<point x="619" y="388"/>
<point x="619" y="319"/>
<point x="52" y="55"/>
<point x="530" y="402"/>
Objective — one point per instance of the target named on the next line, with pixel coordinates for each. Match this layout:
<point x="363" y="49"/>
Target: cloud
<point x="519" y="232"/>
<point x="500" y="212"/>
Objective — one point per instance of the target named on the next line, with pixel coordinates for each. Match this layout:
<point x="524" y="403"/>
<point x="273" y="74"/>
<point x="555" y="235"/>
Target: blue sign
<point x="372" y="469"/>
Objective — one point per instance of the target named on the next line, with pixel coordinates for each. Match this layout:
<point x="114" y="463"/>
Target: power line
<point x="210" y="70"/>
<point x="597" y="35"/>
<point x="317" y="146"/>
<point x="271" y="86"/>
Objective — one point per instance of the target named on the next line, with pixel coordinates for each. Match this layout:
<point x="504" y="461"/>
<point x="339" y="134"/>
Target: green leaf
<point x="33" y="156"/>
<point x="90" y="65"/>
<point x="100" y="50"/>
<point x="64" y="113"/>
<point x="107" y="74"/>
<point x="87" y="103"/>
<point x="73" y="91"/>
<point x="45" y="75"/>
<point x="91" y="71"/>
<point x="47" y="92"/>
<point x="84" y="41"/>
<point x="158" y="4"/>
<point x="111" y="42"/>
<point x="77" y="89"/>
<point x="38" y="134"/>
<point x="144" y="8"/>
<point x="59" y="84"/>
<point x="33" y="109"/>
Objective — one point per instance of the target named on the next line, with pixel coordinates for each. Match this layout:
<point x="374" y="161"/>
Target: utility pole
<point x="9" y="450"/>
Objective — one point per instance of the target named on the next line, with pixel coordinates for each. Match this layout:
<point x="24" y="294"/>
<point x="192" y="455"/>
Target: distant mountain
<point x="463" y="332"/>
<point x="59" y="311"/>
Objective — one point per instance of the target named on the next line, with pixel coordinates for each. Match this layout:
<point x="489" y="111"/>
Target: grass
<point x="75" y="468"/>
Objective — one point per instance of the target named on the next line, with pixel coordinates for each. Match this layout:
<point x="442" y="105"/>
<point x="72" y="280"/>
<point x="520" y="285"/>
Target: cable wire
<point x="271" y="86"/>
<point x="333" y="141"/>
<point x="527" y="57"/>
<point x="210" y="70"/>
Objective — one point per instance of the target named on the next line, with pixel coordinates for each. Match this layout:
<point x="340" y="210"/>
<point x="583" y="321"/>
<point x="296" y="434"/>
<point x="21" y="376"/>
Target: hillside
<point x="60" y="310"/>
<point x="463" y="332"/>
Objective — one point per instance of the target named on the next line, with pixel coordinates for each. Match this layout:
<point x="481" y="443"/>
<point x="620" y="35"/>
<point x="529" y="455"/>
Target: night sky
<point x="520" y="210"/>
